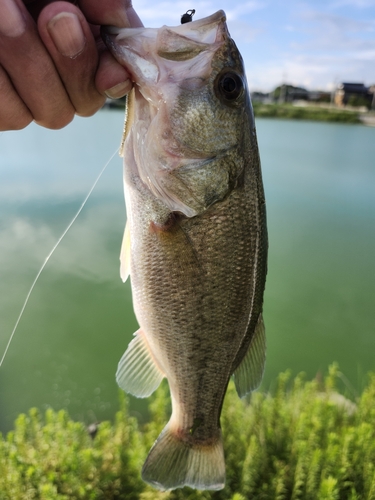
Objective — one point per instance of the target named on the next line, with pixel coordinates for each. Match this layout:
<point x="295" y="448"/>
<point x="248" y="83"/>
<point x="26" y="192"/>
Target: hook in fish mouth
<point x="188" y="16"/>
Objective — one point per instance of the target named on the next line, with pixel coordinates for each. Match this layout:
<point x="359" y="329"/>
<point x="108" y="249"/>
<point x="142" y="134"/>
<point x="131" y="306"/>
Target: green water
<point x="319" y="303"/>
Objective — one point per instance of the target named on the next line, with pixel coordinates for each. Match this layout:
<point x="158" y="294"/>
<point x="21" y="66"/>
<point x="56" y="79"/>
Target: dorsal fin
<point x="248" y="375"/>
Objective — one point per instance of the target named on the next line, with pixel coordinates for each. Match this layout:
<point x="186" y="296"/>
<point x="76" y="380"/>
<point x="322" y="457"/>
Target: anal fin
<point x="248" y="375"/>
<point x="137" y="372"/>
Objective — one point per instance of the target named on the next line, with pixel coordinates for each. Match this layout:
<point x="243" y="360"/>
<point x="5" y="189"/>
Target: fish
<point x="195" y="243"/>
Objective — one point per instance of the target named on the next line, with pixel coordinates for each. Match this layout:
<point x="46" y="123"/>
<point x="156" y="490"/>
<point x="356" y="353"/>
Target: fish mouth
<point x="140" y="50"/>
<point x="163" y="62"/>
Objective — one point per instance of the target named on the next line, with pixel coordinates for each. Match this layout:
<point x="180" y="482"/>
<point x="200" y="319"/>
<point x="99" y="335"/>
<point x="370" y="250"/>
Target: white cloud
<point x="312" y="72"/>
<point x="83" y="252"/>
<point x="320" y="49"/>
<point x="243" y="32"/>
<point x="326" y="31"/>
<point x="240" y="10"/>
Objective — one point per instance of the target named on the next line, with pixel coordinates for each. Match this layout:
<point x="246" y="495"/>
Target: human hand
<point x="53" y="63"/>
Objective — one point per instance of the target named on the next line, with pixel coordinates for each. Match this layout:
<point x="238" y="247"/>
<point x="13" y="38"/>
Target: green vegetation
<point x="305" y="441"/>
<point x="305" y="113"/>
<point x="358" y="100"/>
<point x="287" y="110"/>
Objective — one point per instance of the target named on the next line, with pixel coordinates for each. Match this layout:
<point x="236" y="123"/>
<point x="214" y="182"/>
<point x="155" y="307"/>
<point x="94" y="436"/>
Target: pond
<point x="319" y="302"/>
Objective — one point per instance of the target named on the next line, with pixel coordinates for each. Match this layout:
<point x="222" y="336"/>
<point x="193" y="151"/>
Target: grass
<point x="289" y="111"/>
<point x="305" y="441"/>
<point x="305" y="113"/>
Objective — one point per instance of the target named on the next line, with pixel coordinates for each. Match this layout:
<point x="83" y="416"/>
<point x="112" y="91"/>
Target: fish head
<point x="190" y="100"/>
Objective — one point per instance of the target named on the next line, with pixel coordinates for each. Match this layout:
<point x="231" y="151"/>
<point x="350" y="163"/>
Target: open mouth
<point x="145" y="52"/>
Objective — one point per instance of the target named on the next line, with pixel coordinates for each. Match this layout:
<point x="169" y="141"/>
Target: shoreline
<point x="307" y="112"/>
<point x="298" y="111"/>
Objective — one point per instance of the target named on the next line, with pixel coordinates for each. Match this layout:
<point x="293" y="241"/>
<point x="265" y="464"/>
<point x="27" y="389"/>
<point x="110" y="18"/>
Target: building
<point x="372" y="92"/>
<point x="356" y="94"/>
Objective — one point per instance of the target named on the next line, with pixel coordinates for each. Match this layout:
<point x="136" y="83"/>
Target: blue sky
<point x="313" y="44"/>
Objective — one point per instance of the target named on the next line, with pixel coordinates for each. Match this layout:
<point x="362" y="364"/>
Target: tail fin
<point x="174" y="463"/>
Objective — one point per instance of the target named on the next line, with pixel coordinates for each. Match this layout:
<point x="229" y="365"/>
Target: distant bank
<point x="295" y="112"/>
<point x="317" y="113"/>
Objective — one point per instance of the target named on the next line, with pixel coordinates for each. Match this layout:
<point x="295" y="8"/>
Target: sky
<point x="315" y="44"/>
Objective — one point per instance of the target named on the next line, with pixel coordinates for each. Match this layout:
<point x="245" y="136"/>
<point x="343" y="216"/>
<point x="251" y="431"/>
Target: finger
<point x="14" y="115"/>
<point x="72" y="46"/>
<point x="30" y="68"/>
<point x="112" y="79"/>
<point x="118" y="13"/>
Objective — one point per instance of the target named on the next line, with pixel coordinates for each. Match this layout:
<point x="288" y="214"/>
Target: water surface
<point x="319" y="303"/>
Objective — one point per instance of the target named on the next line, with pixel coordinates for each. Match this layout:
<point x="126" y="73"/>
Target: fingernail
<point x="12" y="23"/>
<point x="66" y="32"/>
<point x="119" y="90"/>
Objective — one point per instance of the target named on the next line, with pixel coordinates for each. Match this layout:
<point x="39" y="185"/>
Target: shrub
<point x="305" y="113"/>
<point x="306" y="441"/>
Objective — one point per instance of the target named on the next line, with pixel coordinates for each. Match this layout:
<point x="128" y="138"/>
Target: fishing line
<point x="51" y="253"/>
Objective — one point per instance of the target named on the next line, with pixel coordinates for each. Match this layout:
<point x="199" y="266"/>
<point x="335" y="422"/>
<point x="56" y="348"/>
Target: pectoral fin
<point x="125" y="254"/>
<point x="137" y="372"/>
<point x="248" y="375"/>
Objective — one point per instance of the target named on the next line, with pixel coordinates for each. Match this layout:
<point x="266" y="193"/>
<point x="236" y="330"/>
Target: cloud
<point x="85" y="251"/>
<point x="311" y="71"/>
<point x="327" y="31"/>
<point x="244" y="32"/>
<point x="319" y="49"/>
<point x="242" y="9"/>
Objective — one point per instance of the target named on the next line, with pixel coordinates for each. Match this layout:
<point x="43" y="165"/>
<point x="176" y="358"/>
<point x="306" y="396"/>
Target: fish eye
<point x="229" y="85"/>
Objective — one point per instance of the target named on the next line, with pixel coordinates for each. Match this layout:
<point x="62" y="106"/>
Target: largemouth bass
<point x="195" y="243"/>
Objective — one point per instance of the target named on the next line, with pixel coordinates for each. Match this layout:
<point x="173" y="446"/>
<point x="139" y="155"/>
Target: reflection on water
<point x="79" y="318"/>
<point x="319" y="181"/>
